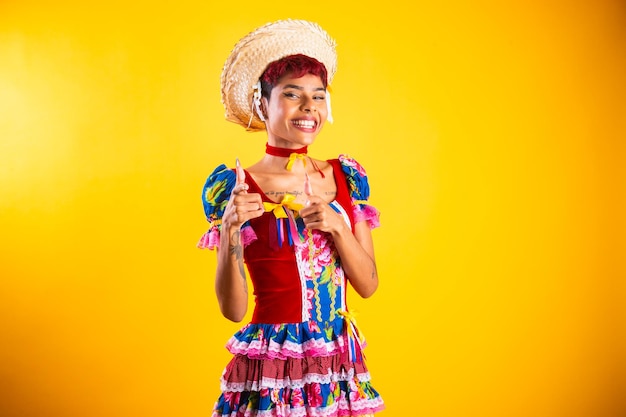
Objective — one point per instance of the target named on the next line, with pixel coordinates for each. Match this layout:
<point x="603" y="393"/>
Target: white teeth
<point x="309" y="124"/>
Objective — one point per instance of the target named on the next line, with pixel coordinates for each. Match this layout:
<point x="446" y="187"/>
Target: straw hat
<point x="254" y="52"/>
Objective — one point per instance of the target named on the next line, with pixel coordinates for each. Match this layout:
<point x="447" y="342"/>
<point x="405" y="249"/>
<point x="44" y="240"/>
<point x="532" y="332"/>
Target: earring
<point x="256" y="103"/>
<point x="257" y="100"/>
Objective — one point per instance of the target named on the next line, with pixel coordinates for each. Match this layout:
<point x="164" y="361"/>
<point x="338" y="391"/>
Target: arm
<point x="356" y="250"/>
<point x="357" y="257"/>
<point x="230" y="278"/>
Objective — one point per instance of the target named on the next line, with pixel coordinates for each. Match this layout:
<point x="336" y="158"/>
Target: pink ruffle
<point x="248" y="235"/>
<point x="269" y="349"/>
<point x="211" y="239"/>
<point x="364" y="212"/>
<point x="291" y="340"/>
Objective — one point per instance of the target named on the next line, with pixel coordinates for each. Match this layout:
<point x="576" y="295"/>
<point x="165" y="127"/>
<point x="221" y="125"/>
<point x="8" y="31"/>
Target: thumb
<point x="241" y="176"/>
<point x="308" y="190"/>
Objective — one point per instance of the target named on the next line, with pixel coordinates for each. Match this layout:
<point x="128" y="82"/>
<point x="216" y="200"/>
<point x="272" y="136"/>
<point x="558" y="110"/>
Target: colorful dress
<point x="301" y="354"/>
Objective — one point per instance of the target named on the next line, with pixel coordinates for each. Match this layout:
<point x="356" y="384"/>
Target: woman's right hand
<point x="242" y="206"/>
<point x="230" y="277"/>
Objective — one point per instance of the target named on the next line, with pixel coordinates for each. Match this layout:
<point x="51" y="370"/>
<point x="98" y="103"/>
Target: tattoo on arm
<point x="374" y="272"/>
<point x="235" y="249"/>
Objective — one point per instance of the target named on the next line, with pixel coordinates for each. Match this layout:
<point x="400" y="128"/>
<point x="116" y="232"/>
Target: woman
<point x="302" y="226"/>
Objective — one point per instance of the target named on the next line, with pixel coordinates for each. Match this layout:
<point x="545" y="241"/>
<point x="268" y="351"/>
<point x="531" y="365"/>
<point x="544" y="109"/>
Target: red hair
<point x="294" y="65"/>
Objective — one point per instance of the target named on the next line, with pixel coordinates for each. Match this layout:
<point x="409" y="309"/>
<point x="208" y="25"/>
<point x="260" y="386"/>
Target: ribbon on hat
<point x="356" y="342"/>
<point x="285" y="220"/>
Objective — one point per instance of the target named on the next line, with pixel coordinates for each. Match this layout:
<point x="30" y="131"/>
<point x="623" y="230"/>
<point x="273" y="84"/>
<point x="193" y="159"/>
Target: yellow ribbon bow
<point x="279" y="208"/>
<point x="353" y="330"/>
<point x="356" y="341"/>
<point x="292" y="159"/>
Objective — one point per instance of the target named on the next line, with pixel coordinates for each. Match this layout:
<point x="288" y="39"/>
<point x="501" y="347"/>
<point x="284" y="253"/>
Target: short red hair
<point x="295" y="65"/>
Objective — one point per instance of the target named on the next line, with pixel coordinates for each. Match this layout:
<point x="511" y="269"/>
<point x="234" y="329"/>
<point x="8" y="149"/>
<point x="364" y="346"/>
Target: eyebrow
<point x="297" y="87"/>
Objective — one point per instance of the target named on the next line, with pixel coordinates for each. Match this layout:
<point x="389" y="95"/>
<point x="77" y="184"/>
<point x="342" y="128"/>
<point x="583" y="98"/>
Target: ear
<point x="264" y="106"/>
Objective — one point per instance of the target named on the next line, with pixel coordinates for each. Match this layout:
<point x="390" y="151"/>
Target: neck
<point x="283" y="152"/>
<point x="293" y="155"/>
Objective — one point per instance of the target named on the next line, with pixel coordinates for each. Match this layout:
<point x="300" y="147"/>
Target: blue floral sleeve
<point x="215" y="195"/>
<point x="359" y="191"/>
<point x="216" y="192"/>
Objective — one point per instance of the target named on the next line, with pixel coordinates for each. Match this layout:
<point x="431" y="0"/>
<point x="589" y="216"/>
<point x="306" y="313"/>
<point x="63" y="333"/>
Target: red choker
<point x="292" y="154"/>
<point x="284" y="152"/>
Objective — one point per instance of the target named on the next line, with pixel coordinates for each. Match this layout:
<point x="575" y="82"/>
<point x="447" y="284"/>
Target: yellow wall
<point x="493" y="134"/>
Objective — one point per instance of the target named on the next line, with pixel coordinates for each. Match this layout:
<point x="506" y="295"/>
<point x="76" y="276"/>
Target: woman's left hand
<point x="319" y="215"/>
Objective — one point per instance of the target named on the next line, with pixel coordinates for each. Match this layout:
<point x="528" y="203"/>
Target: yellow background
<point x="493" y="133"/>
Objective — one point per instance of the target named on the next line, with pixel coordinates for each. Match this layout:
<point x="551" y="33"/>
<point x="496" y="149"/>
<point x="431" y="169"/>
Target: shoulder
<point x="217" y="189"/>
<point x="350" y="166"/>
<point x="356" y="176"/>
<point x="358" y="183"/>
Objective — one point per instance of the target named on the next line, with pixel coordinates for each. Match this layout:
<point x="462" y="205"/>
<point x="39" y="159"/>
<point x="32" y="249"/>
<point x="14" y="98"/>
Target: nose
<point x="308" y="105"/>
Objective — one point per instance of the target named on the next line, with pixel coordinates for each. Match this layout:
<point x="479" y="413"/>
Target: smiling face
<point x="296" y="111"/>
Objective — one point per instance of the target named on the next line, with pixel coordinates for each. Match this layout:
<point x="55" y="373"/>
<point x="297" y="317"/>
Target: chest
<point x="274" y="187"/>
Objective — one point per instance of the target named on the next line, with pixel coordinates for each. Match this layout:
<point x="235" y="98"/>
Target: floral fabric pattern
<point x="305" y="368"/>
<point x="359" y="191"/>
<point x="215" y="194"/>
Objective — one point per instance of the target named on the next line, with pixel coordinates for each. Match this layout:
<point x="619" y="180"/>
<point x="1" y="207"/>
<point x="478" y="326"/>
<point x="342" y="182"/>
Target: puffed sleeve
<point x="215" y="194"/>
<point x="359" y="192"/>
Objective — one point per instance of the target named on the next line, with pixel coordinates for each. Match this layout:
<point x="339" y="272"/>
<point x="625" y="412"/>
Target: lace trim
<point x="365" y="212"/>
<point x="211" y="239"/>
<point x="259" y="349"/>
<point x="277" y="402"/>
<point x="274" y="383"/>
<point x="340" y="408"/>
<point x="302" y="270"/>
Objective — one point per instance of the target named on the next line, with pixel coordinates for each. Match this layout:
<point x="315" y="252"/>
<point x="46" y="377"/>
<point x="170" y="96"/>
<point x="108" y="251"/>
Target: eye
<point x="319" y="98"/>
<point x="290" y="94"/>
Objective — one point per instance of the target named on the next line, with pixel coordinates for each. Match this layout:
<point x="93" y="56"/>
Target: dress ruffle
<point x="211" y="239"/>
<point x="325" y="386"/>
<point x="292" y="340"/>
<point x="365" y="212"/>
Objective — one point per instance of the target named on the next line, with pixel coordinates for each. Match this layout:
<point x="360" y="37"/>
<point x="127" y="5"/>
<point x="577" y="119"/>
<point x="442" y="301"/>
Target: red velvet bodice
<point x="274" y="271"/>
